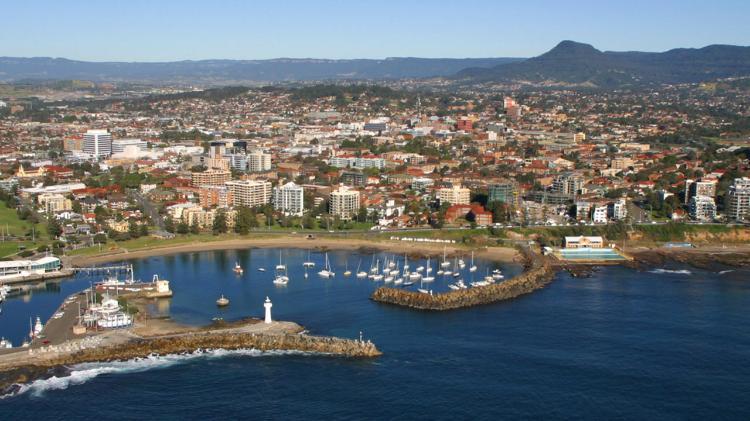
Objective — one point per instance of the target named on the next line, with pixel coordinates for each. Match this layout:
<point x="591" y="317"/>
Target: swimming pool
<point x="590" y="254"/>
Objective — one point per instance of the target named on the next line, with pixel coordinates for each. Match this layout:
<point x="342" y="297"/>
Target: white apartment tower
<point x="738" y="207"/>
<point x="258" y="161"/>
<point x="97" y="143"/>
<point x="289" y="199"/>
<point x="344" y="202"/>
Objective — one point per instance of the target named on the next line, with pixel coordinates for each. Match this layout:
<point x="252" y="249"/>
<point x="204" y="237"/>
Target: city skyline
<point x="171" y="31"/>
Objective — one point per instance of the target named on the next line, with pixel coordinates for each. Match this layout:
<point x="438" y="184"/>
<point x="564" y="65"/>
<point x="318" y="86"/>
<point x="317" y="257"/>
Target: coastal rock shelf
<point x="525" y="283"/>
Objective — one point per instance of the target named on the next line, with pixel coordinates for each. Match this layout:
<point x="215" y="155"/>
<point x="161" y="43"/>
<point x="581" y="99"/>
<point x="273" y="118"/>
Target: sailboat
<point x="327" y="272"/>
<point x="360" y="273"/>
<point x="347" y="272"/>
<point x="456" y="268"/>
<point x="428" y="277"/>
<point x="280" y="266"/>
<point x="445" y="263"/>
<point x="237" y="268"/>
<point x="473" y="267"/>
<point x="309" y="263"/>
<point x="281" y="275"/>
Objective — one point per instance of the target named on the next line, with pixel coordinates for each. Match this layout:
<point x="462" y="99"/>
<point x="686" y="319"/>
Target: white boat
<point x="222" y="301"/>
<point x="377" y="277"/>
<point x="237" y="268"/>
<point x="461" y="263"/>
<point x="38" y="326"/>
<point x="473" y="267"/>
<point x="453" y="287"/>
<point x="408" y="283"/>
<point x="497" y="274"/>
<point x="440" y="272"/>
<point x="428" y="279"/>
<point x="261" y="269"/>
<point x="327" y="272"/>
<point x="423" y="291"/>
<point x="309" y="263"/>
<point x="445" y="262"/>
<point x="414" y="276"/>
<point x="406" y="264"/>
<point x="281" y="280"/>
<point x="375" y="268"/>
<point x="347" y="272"/>
<point x="456" y="268"/>
<point x="388" y="279"/>
<point x="420" y="269"/>
<point x="392" y="263"/>
<point x="458" y="285"/>
<point x="480" y="284"/>
<point x="5" y="344"/>
<point x="360" y="273"/>
<point x="398" y="281"/>
<point x="447" y="273"/>
<point x="280" y="266"/>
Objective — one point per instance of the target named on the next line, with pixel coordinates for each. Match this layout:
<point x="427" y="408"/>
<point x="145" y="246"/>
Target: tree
<point x="143" y="230"/>
<point x="194" y="228"/>
<point x="53" y="228"/>
<point x="183" y="228"/>
<point x="220" y="222"/>
<point x="169" y="224"/>
<point x="100" y="238"/>
<point x="245" y="220"/>
<point x="133" y="229"/>
<point x="362" y="214"/>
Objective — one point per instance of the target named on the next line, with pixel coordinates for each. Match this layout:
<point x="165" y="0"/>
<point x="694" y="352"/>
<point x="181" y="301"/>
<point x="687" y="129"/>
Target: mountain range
<point x="229" y="71"/>
<point x="573" y="63"/>
<point x="567" y="64"/>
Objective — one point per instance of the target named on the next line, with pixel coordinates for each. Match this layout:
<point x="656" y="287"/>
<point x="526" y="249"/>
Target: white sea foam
<point x="81" y="373"/>
<point x="672" y="272"/>
<point x="723" y="272"/>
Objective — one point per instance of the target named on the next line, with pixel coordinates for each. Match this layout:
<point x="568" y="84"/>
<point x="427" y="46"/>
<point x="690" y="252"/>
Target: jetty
<point x="538" y="275"/>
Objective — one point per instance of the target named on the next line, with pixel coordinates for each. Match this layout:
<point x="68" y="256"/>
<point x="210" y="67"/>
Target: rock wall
<point x="525" y="283"/>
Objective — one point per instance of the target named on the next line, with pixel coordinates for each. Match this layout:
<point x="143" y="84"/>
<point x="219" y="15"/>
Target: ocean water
<point x="672" y="343"/>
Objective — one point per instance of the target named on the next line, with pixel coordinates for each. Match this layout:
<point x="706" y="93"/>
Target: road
<point x="148" y="208"/>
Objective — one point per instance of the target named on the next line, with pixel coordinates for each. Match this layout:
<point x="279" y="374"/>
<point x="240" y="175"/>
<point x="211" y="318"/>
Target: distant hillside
<point x="283" y="69"/>
<point x="581" y="64"/>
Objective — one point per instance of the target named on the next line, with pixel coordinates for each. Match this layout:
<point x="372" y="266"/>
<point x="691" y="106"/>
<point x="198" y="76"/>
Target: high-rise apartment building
<point x="738" y="206"/>
<point x="211" y="178"/>
<point x="455" y="195"/>
<point x="344" y="202"/>
<point x="250" y="193"/>
<point x="289" y="199"/>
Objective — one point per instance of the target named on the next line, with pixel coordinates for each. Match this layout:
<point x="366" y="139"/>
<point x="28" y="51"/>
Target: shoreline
<point x="501" y="254"/>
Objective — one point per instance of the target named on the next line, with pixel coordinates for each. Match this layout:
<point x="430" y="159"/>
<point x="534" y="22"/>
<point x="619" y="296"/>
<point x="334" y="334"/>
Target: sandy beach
<point x="502" y="254"/>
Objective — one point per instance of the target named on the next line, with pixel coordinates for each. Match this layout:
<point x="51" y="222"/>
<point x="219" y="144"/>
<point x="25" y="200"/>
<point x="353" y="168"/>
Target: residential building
<point x="211" y="178"/>
<point x="702" y="208"/>
<point x="344" y="202"/>
<point x="455" y="195"/>
<point x="738" y="207"/>
<point x="250" y="193"/>
<point x="54" y="202"/>
<point x="505" y="192"/>
<point x="618" y="210"/>
<point x="218" y="196"/>
<point x="97" y="143"/>
<point x="568" y="183"/>
<point x="599" y="216"/>
<point x="258" y="161"/>
<point x="289" y="199"/>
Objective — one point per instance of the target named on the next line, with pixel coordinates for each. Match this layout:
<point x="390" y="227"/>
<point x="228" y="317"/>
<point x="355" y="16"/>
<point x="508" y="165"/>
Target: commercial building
<point x="120" y="145"/>
<point x="455" y="195"/>
<point x="738" y="207"/>
<point x="289" y="199"/>
<point x="250" y="193"/>
<point x="702" y="208"/>
<point x="344" y="202"/>
<point x="258" y="161"/>
<point x="97" y="143"/>
<point x="210" y="178"/>
<point x="594" y="242"/>
<point x="16" y="268"/>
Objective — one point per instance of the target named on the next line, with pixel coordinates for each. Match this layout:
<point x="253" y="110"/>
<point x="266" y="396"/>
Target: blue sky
<point x="164" y="30"/>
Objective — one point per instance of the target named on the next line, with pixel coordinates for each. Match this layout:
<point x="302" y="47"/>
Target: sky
<point x="168" y="30"/>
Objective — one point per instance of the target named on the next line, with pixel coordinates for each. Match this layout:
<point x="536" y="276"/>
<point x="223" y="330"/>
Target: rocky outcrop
<point x="525" y="283"/>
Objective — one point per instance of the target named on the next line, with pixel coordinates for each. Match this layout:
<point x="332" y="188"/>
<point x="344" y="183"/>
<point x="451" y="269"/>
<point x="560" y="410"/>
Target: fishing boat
<point x="473" y="267"/>
<point x="309" y="263"/>
<point x="222" y="301"/>
<point x="237" y="268"/>
<point x="327" y="271"/>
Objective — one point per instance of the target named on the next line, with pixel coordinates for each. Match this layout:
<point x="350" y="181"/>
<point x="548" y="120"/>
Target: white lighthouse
<point x="268" y="306"/>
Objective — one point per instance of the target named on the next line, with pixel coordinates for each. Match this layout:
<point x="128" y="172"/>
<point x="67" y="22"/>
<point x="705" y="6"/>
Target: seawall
<point x="525" y="283"/>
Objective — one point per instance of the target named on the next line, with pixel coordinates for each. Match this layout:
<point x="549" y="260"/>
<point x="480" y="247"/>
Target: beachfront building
<point x="344" y="202"/>
<point x="21" y="268"/>
<point x="702" y="208"/>
<point x="455" y="195"/>
<point x="576" y="242"/>
<point x="289" y="199"/>
<point x="250" y="193"/>
<point x="738" y="208"/>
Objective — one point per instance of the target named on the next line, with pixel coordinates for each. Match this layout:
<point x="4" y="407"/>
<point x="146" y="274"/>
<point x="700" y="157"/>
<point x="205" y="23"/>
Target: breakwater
<point x="535" y="278"/>
<point x="50" y="365"/>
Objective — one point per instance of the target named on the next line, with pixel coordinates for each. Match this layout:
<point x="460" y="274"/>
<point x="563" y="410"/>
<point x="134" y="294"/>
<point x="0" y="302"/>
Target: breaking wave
<point x="724" y="272"/>
<point x="671" y="272"/>
<point x="81" y="373"/>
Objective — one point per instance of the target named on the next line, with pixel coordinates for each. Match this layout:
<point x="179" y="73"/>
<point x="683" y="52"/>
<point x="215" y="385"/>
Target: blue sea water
<point x="623" y="344"/>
